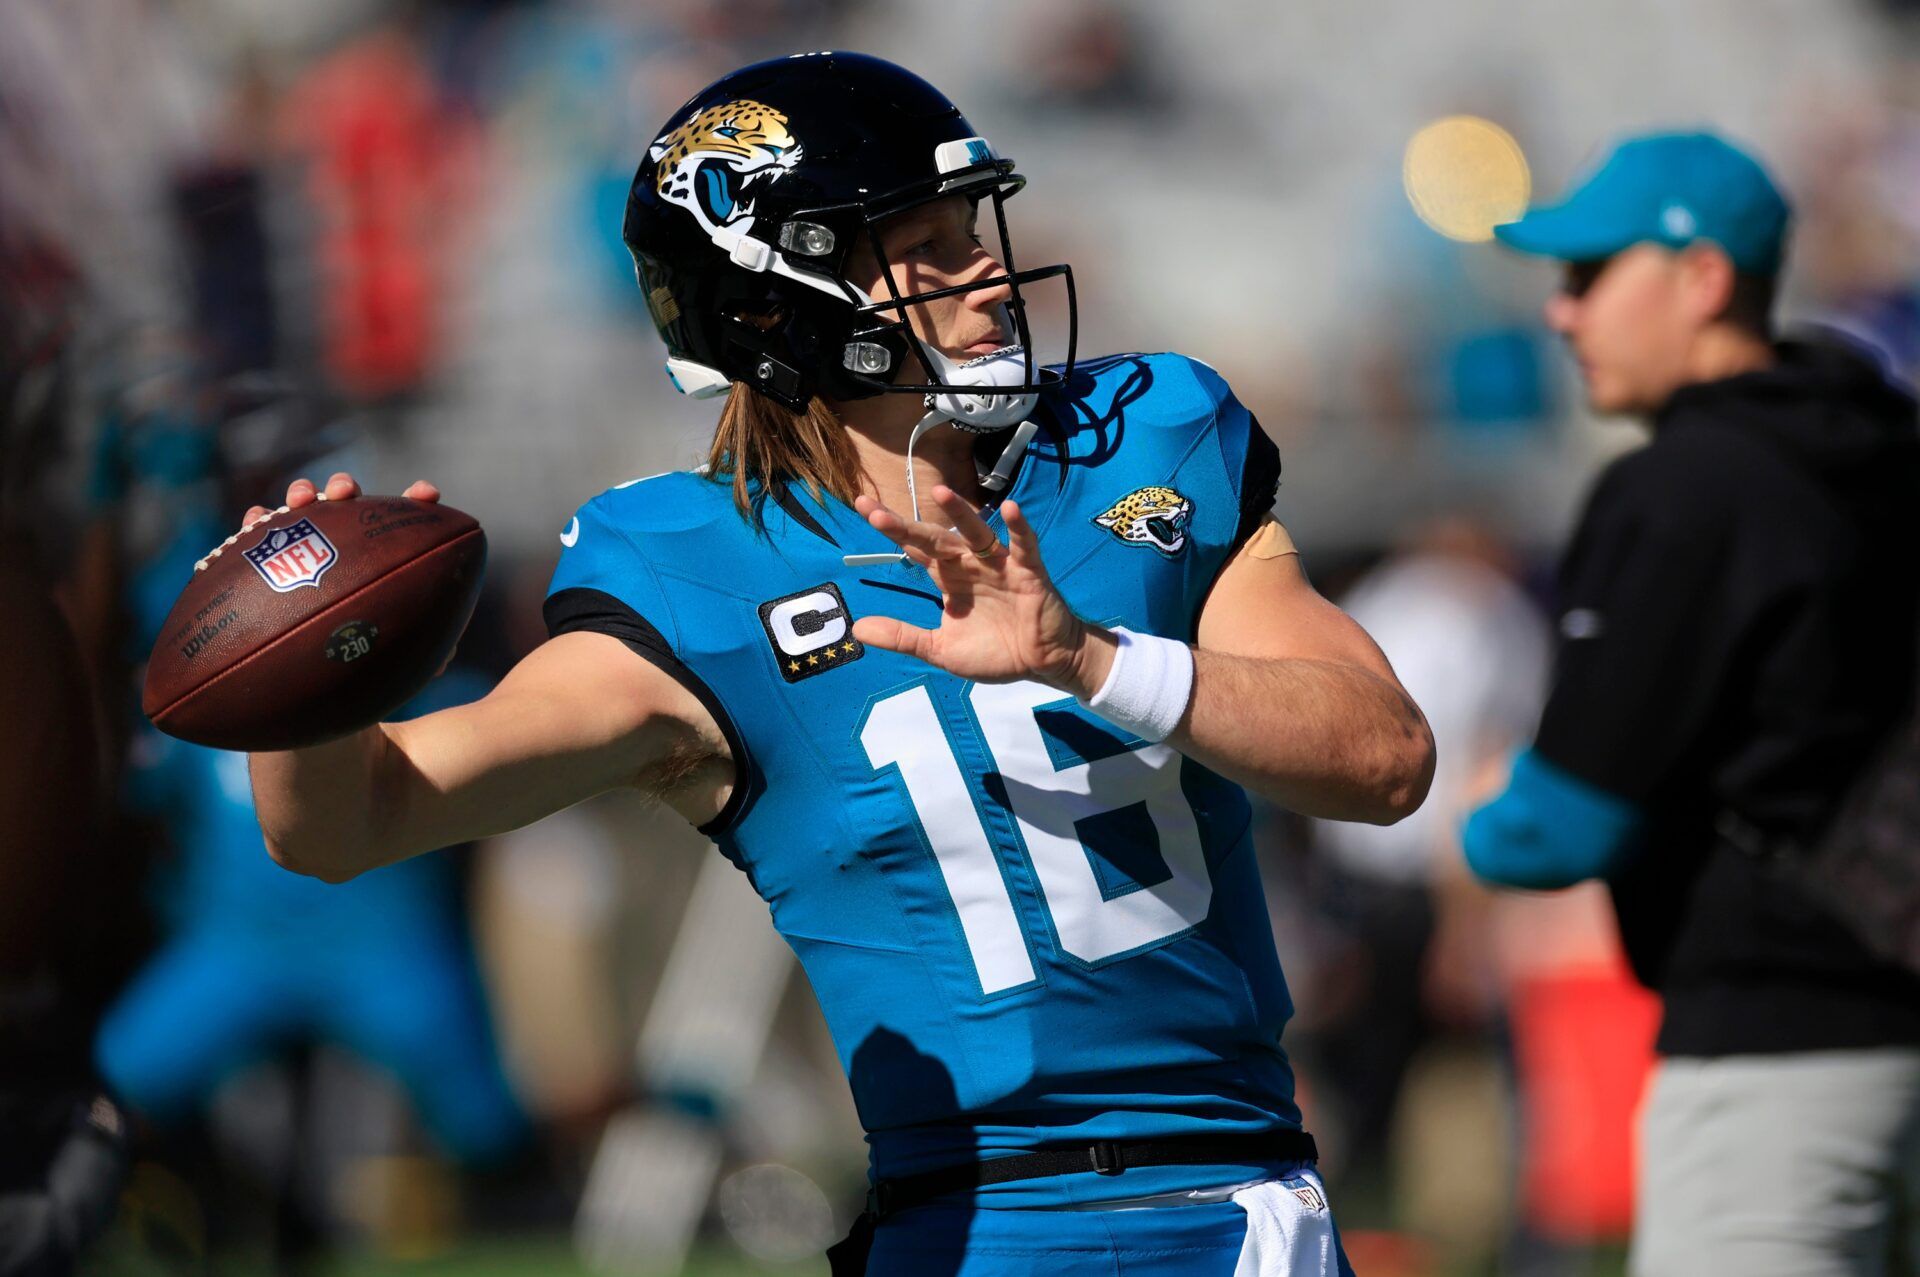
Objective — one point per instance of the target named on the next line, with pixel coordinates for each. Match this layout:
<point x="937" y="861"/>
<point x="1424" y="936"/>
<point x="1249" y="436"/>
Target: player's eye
<point x="1581" y="276"/>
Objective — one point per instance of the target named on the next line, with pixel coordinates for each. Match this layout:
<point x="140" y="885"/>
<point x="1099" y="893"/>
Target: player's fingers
<point x="972" y="529"/>
<point x="341" y="487"/>
<point x="301" y="492"/>
<point x="924" y="537"/>
<point x="421" y="490"/>
<point x="949" y="546"/>
<point x="254" y="514"/>
<point x="892" y="529"/>
<point x="894" y="636"/>
<point x="865" y="506"/>
<point x="1021" y="539"/>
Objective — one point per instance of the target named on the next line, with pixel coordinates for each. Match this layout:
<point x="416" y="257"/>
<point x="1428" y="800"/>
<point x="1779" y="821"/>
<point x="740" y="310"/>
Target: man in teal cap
<point x="1737" y="636"/>
<point x="1672" y="248"/>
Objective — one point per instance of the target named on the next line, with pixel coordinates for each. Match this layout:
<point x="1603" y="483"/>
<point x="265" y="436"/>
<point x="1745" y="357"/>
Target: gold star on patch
<point x="828" y="653"/>
<point x="794" y="666"/>
<point x="813" y="660"/>
<point x="847" y="647"/>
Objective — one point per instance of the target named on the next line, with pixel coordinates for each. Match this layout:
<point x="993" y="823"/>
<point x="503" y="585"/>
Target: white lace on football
<point x="200" y="565"/>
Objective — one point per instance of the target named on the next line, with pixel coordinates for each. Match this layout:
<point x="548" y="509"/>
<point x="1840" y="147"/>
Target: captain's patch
<point x="811" y="632"/>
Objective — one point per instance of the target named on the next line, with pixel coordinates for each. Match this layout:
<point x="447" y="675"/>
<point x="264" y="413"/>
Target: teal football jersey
<point x="1024" y="926"/>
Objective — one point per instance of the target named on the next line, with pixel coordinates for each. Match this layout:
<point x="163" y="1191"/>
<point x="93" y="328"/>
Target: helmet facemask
<point x="828" y="337"/>
<point x="990" y="391"/>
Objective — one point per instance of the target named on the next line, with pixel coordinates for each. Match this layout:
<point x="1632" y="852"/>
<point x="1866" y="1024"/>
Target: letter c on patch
<point x="808" y="623"/>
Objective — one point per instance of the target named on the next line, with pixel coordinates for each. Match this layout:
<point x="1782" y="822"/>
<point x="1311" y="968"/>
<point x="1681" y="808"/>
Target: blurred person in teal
<point x="256" y="964"/>
<point x="1737" y="636"/>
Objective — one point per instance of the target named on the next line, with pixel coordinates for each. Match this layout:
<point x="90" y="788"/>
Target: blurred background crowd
<point x="244" y="240"/>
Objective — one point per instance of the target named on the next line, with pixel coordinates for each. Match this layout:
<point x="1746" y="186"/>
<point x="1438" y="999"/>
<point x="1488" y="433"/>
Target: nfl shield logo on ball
<point x="290" y="557"/>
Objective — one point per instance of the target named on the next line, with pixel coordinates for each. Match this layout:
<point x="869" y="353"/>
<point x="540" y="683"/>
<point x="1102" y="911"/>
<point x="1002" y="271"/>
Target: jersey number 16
<point x="1055" y="805"/>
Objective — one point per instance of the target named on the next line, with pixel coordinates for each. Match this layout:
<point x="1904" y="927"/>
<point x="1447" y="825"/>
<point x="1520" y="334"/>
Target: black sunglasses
<point x="1580" y="276"/>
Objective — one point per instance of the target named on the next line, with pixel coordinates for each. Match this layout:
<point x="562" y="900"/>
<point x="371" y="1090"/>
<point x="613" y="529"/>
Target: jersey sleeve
<point x="1252" y="461"/>
<point x="602" y="577"/>
<point x="604" y="585"/>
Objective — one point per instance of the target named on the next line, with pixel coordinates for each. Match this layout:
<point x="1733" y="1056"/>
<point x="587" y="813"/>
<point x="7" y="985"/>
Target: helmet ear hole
<point x="759" y="355"/>
<point x="768" y="319"/>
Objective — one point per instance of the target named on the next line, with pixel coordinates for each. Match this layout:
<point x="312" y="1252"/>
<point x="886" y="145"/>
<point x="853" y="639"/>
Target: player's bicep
<point x="1262" y="605"/>
<point x="582" y="714"/>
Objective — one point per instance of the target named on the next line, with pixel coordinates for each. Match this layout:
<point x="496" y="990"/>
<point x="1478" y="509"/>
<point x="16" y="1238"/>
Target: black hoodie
<point x="1738" y="632"/>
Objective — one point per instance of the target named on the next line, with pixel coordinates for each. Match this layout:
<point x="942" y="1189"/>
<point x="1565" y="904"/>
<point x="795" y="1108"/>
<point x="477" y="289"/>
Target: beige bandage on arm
<point x="1270" y="541"/>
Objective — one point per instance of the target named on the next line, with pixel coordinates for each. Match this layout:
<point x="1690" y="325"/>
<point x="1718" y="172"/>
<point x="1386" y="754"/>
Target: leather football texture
<point x="315" y="623"/>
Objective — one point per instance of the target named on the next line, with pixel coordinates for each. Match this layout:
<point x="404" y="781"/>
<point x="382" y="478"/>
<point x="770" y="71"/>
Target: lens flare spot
<point x="1464" y="176"/>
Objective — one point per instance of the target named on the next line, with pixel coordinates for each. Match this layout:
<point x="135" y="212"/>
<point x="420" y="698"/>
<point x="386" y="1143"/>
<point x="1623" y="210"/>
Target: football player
<point x="966" y="662"/>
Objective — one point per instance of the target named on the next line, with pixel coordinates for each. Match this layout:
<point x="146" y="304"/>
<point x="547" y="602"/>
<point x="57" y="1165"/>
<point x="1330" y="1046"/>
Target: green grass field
<point x="123" y="1255"/>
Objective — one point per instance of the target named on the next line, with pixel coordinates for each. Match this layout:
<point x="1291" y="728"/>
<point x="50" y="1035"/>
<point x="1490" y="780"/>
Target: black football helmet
<point x="742" y="216"/>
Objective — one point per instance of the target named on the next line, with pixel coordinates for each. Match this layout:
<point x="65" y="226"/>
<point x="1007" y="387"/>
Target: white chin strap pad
<point x="987" y="409"/>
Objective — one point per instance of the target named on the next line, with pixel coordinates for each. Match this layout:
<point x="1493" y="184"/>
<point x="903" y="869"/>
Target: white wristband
<point x="1148" y="686"/>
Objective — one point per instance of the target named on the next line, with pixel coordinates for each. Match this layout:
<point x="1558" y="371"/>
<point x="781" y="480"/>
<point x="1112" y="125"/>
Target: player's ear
<point x="1707" y="281"/>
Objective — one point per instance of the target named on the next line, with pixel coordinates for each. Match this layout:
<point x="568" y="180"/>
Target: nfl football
<point x="314" y="623"/>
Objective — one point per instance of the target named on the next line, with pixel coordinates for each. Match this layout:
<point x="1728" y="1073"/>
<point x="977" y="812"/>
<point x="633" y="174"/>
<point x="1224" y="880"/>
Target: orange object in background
<point x="1583" y="1050"/>
<point x="388" y="156"/>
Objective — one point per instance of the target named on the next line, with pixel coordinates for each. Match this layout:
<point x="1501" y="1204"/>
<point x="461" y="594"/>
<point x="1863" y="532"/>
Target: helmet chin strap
<point x="993" y="481"/>
<point x="988" y="408"/>
<point x="974" y="412"/>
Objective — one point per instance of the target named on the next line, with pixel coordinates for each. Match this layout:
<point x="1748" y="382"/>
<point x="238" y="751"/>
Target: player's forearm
<point x="582" y="715"/>
<point x="1322" y="738"/>
<point x="317" y="807"/>
<point x="396" y="790"/>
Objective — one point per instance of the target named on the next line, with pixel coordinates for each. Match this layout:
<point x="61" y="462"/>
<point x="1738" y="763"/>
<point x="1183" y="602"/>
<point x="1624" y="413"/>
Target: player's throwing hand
<point x="1001" y="619"/>
<point x="339" y="488"/>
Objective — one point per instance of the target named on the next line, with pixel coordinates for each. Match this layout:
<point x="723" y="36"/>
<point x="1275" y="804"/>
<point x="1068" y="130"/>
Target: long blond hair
<point x="759" y="441"/>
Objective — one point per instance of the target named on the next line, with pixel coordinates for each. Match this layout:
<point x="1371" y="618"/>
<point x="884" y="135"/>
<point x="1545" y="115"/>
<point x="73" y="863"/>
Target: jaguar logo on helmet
<point x="711" y="164"/>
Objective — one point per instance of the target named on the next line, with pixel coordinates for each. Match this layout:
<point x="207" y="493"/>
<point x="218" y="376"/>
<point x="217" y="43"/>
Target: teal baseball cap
<point x="1666" y="188"/>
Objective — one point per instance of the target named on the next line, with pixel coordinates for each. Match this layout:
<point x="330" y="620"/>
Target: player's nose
<point x="985" y="266"/>
<point x="1559" y="312"/>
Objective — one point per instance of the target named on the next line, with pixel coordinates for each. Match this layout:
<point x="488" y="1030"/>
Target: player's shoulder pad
<point x="621" y="541"/>
<point x="674" y="501"/>
<point x="1245" y="450"/>
<point x="659" y="509"/>
<point x="1159" y="390"/>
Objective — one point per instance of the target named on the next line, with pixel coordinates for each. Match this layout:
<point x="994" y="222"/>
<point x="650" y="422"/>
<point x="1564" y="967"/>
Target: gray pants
<point x="1799" y="1165"/>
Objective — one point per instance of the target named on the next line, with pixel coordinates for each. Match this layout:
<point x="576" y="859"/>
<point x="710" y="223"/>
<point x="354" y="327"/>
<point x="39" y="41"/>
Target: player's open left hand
<point x="341" y="487"/>
<point x="1001" y="619"/>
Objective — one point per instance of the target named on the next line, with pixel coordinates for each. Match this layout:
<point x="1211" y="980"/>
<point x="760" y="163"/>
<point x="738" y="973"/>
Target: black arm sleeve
<point x="1259" y="481"/>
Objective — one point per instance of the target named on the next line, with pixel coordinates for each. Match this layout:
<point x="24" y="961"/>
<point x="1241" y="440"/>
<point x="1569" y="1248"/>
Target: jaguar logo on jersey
<point x="710" y="164"/>
<point x="811" y="632"/>
<point x="290" y="557"/>
<point x="1156" y="517"/>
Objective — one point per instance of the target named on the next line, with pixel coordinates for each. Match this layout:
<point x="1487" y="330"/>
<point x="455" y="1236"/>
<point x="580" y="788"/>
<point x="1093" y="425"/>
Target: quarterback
<point x="968" y="663"/>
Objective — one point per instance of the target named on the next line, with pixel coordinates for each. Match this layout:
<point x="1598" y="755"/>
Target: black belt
<point x="891" y="1196"/>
